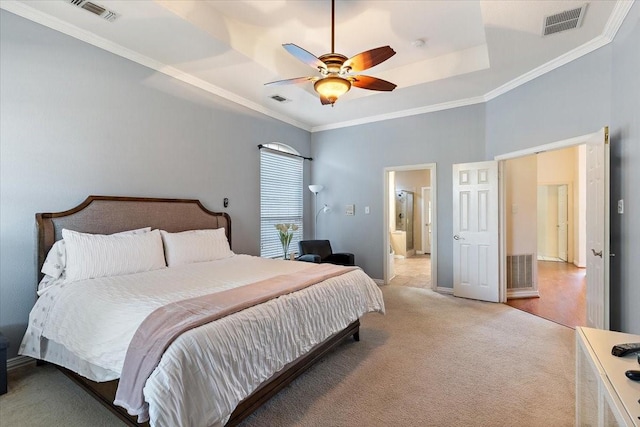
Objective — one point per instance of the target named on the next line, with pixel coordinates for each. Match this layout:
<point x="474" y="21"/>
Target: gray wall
<point x="625" y="175"/>
<point x="350" y="163"/>
<point x="601" y="88"/>
<point x="572" y="100"/>
<point x="76" y="120"/>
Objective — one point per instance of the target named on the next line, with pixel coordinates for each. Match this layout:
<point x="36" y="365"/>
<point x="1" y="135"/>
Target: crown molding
<point x="404" y="113"/>
<point x="49" y="21"/>
<point x="620" y="11"/>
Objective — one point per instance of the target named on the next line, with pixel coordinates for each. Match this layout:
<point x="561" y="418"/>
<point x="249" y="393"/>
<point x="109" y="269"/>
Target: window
<point x="280" y="197"/>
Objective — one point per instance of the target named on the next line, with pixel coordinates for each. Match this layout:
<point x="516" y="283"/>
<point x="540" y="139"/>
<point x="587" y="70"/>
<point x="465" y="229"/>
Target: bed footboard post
<point x="356" y="335"/>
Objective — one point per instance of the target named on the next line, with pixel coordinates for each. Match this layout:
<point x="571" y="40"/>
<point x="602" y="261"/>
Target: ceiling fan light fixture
<point x="332" y="87"/>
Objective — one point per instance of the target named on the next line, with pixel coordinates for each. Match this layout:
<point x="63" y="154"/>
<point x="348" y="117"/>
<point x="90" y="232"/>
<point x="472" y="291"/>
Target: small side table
<point x="4" y="344"/>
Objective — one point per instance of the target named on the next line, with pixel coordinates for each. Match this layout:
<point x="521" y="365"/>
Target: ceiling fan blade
<point x="372" y="83"/>
<point x="292" y="81"/>
<point x="368" y="59"/>
<point x="304" y="56"/>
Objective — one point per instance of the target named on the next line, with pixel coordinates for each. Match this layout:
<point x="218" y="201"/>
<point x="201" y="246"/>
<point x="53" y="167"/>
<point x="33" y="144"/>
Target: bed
<point x="266" y="345"/>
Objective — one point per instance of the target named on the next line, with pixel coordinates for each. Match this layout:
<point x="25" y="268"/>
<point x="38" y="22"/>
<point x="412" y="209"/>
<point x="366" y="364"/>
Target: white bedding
<point x="216" y="365"/>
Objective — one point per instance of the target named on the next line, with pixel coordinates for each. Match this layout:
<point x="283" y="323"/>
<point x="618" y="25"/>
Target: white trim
<point x="403" y="113"/>
<point x="619" y="13"/>
<point x="379" y="282"/>
<point x="516" y="293"/>
<point x="570" y="142"/>
<point x="434" y="218"/>
<point x="612" y="26"/>
<point x="502" y="237"/>
<point x="34" y="15"/>
<point x="543" y="69"/>
<point x="19" y="362"/>
<point x="442" y="290"/>
<point x="557" y="145"/>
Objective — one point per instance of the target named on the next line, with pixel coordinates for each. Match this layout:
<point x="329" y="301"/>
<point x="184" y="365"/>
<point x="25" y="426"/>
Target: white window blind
<point x="280" y="200"/>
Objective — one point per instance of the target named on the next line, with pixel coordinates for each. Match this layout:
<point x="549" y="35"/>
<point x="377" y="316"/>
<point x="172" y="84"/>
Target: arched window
<point x="280" y="197"/>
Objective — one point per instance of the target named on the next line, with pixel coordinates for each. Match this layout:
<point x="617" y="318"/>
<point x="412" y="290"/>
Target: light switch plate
<point x="350" y="210"/>
<point x="367" y="211"/>
<point x="621" y="206"/>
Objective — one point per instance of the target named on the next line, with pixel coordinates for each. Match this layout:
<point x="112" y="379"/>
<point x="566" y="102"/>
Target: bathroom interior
<point x="410" y="227"/>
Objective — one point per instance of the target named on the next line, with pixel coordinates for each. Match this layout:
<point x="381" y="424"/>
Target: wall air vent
<point x="519" y="271"/>
<point x="96" y="9"/>
<point x="280" y="98"/>
<point x="567" y="20"/>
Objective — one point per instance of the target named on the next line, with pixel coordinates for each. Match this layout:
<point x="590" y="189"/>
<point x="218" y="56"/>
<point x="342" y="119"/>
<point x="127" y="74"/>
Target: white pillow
<point x="96" y="255"/>
<point x="56" y="261"/>
<point x="195" y="246"/>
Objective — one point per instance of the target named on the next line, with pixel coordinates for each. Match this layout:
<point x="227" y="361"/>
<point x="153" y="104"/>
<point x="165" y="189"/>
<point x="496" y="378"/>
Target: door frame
<point x="571" y="209"/>
<point x="434" y="216"/>
<point x="424" y="212"/>
<point x="502" y="211"/>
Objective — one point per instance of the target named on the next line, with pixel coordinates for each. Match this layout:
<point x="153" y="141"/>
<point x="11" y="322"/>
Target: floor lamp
<point x="315" y="189"/>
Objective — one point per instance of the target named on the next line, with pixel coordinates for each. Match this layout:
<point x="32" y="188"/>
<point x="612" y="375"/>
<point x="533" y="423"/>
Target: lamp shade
<point x="332" y="87"/>
<point x="315" y="188"/>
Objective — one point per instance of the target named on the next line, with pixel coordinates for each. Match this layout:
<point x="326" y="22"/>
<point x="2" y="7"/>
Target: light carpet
<point x="432" y="360"/>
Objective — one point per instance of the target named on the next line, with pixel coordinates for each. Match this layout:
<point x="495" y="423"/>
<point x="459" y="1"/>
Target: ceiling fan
<point x="336" y="70"/>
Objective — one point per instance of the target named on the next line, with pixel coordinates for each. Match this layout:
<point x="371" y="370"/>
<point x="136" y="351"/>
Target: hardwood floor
<point x="562" y="288"/>
<point x="562" y="299"/>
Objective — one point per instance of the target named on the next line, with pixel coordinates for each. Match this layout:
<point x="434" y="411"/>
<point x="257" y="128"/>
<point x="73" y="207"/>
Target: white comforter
<point x="86" y="326"/>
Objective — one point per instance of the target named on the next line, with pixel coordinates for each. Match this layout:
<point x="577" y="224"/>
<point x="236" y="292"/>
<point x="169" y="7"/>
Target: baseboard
<point x="19" y="362"/>
<point x="443" y="290"/>
<point x="528" y="293"/>
<point x="419" y="253"/>
<point x="379" y="282"/>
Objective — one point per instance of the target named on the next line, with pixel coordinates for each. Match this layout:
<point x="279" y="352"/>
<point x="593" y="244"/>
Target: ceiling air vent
<point x="567" y="20"/>
<point x="280" y="98"/>
<point x="96" y="9"/>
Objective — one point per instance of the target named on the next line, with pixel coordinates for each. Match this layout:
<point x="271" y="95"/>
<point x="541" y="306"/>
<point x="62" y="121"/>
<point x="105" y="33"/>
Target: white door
<point x="475" y="229"/>
<point x="598" y="230"/>
<point x="563" y="235"/>
<point x="426" y="220"/>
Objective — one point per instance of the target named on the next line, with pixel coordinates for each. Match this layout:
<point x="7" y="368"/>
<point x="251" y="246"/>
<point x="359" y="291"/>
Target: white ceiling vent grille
<point x="567" y="20"/>
<point x="96" y="9"/>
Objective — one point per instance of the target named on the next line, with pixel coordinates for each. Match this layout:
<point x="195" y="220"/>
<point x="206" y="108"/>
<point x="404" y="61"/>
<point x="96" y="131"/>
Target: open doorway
<point x="545" y="234"/>
<point x="410" y="226"/>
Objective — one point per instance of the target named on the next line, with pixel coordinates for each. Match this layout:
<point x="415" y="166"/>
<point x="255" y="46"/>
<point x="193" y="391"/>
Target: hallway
<point x="563" y="288"/>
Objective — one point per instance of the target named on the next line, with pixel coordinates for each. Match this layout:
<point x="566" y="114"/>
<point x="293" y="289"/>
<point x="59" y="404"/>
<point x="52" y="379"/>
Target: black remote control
<point x="633" y="375"/>
<point x="624" y="349"/>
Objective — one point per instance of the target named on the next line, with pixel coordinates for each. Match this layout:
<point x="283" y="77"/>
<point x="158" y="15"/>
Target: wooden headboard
<point x="107" y="215"/>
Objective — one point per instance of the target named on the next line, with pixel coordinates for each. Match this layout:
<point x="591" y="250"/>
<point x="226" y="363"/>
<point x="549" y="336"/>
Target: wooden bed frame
<point x="107" y="215"/>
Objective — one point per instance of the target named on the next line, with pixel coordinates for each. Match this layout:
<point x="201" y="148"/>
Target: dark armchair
<point x="319" y="251"/>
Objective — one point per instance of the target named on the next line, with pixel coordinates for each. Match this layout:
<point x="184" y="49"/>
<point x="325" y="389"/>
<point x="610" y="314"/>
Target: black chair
<point x="319" y="251"/>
